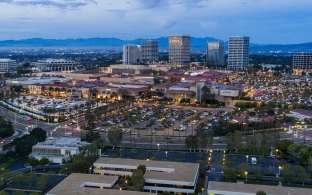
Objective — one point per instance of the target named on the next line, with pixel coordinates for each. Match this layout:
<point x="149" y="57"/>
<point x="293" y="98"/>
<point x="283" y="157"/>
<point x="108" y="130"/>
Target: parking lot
<point x="158" y="120"/>
<point x="49" y="106"/>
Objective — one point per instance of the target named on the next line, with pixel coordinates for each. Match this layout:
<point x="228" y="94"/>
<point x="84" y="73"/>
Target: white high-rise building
<point x="7" y="65"/>
<point x="215" y="53"/>
<point x="238" y="55"/>
<point x="302" y="62"/>
<point x="179" y="50"/>
<point x="149" y="51"/>
<point x="131" y="54"/>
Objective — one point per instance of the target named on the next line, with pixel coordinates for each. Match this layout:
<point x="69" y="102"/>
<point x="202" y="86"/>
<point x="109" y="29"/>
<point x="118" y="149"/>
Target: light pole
<point x="276" y="152"/>
<point x="247" y="158"/>
<point x="246" y="174"/>
<point x="77" y="121"/>
<point x="166" y="154"/>
<point x="279" y="170"/>
<point x="158" y="146"/>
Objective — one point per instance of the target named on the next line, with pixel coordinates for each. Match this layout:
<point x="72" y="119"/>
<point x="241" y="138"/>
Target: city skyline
<point x="264" y="21"/>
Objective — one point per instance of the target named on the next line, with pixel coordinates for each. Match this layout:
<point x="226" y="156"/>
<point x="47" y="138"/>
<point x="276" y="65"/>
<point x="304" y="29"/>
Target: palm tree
<point x="206" y="94"/>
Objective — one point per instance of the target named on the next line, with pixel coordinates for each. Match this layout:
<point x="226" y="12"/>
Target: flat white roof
<point x="61" y="142"/>
<point x="159" y="170"/>
<point x="76" y="184"/>
<point x="241" y="188"/>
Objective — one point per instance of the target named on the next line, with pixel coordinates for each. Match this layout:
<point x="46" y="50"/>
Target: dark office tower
<point x="215" y="53"/>
<point x="149" y="51"/>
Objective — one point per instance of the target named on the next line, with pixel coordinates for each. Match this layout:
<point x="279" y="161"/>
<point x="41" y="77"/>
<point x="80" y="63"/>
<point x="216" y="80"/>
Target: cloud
<point x="208" y="25"/>
<point x="165" y="22"/>
<point x="63" y="4"/>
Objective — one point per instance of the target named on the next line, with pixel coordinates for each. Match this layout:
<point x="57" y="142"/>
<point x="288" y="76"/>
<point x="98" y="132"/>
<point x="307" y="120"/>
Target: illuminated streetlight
<point x="279" y="170"/>
<point x="246" y="174"/>
<point x="158" y="146"/>
<point x="166" y="154"/>
<point x="247" y="158"/>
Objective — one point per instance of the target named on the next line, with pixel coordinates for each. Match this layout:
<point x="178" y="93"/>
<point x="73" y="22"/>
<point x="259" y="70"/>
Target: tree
<point x="301" y="174"/>
<point x="287" y="173"/>
<point x="32" y="161"/>
<point x="191" y="142"/>
<point x="230" y="174"/>
<point x="91" y="136"/>
<point x="137" y="180"/>
<point x="115" y="136"/>
<point x="82" y="162"/>
<point x="204" y="139"/>
<point x="142" y="168"/>
<point x="42" y="182"/>
<point x="260" y="193"/>
<point x="90" y="118"/>
<point x="234" y="140"/>
<point x="282" y="146"/>
<point x="244" y="167"/>
<point x="6" y="128"/>
<point x="23" y="145"/>
<point x="44" y="161"/>
<point x="206" y="95"/>
<point x="39" y="133"/>
<point x="310" y="165"/>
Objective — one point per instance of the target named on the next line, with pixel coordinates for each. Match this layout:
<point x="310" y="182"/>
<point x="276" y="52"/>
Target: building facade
<point x="302" y="63"/>
<point x="56" y="65"/>
<point x="238" y="54"/>
<point x="57" y="150"/>
<point x="131" y="54"/>
<point x="179" y="51"/>
<point x="7" y="65"/>
<point x="149" y="51"/>
<point x="160" y="176"/>
<point x="215" y="53"/>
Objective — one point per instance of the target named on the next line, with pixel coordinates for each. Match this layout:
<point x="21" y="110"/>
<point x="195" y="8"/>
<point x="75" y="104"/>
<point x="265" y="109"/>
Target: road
<point x="21" y="125"/>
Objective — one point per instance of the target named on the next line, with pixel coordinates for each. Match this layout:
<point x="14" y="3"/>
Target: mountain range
<point x="197" y="44"/>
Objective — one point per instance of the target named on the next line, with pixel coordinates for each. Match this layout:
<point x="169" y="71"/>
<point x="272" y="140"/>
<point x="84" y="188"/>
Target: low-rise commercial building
<point x="136" y="69"/>
<point x="57" y="150"/>
<point x="160" y="176"/>
<point x="56" y="65"/>
<point x="225" y="188"/>
<point x="78" y="183"/>
<point x="26" y="81"/>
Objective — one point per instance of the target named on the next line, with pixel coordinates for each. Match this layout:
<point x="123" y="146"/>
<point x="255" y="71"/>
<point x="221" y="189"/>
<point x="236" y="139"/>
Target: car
<point x="68" y="133"/>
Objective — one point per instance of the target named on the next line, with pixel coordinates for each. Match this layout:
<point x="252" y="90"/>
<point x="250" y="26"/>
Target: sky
<point x="264" y="21"/>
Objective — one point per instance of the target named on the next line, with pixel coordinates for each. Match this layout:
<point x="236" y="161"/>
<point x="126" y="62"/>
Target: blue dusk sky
<point x="265" y="21"/>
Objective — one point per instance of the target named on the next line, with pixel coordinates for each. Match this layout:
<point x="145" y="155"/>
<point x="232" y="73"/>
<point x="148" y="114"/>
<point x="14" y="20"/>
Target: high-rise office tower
<point x="131" y="54"/>
<point x="179" y="50"/>
<point x="149" y="51"/>
<point x="238" y="54"/>
<point x="215" y="53"/>
<point x="302" y="62"/>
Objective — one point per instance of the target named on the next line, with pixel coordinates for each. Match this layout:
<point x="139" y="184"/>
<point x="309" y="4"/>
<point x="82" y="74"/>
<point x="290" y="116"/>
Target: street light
<point x="247" y="158"/>
<point x="166" y="154"/>
<point x="279" y="170"/>
<point x="246" y="174"/>
<point x="158" y="146"/>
